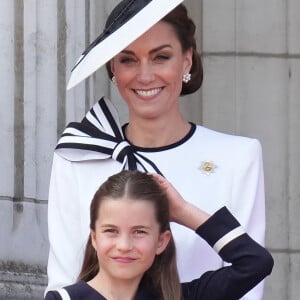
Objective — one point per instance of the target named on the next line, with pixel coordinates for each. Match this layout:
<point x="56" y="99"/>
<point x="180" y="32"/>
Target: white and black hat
<point x="128" y="20"/>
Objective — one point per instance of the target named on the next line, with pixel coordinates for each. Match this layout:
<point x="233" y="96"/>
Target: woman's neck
<point x="151" y="134"/>
<point x="115" y="289"/>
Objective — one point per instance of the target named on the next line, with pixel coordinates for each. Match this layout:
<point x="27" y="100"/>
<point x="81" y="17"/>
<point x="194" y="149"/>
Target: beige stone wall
<point x="251" y="56"/>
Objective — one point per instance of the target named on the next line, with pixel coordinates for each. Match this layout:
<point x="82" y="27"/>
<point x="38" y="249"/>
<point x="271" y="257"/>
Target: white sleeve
<point x="64" y="227"/>
<point x="248" y="199"/>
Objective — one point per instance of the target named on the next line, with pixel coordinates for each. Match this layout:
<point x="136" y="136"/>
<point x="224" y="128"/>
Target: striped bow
<point x="99" y="136"/>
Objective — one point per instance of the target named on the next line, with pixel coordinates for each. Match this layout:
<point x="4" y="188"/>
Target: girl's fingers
<point x="160" y="179"/>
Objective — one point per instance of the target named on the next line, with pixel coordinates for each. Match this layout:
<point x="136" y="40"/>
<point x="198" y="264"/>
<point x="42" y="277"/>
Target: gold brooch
<point x="208" y="167"/>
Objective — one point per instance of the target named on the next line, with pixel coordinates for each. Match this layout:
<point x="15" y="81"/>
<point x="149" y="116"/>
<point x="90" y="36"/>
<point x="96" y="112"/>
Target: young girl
<point x="131" y="254"/>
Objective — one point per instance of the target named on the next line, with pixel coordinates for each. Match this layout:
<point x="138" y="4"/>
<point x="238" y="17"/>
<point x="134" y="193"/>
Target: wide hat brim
<point x="114" y="43"/>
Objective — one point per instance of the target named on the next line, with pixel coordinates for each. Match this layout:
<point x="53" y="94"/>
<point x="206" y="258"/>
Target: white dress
<point x="208" y="168"/>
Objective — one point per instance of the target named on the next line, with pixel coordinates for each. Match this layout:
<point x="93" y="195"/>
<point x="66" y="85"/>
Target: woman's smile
<point x="148" y="93"/>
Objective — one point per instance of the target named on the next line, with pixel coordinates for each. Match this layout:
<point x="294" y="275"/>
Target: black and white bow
<point x="99" y="136"/>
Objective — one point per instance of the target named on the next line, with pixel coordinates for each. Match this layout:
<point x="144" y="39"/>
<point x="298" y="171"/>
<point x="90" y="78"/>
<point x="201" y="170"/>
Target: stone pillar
<point x="251" y="55"/>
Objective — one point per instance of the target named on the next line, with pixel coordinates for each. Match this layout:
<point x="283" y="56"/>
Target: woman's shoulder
<point x="222" y="139"/>
<point x="222" y="136"/>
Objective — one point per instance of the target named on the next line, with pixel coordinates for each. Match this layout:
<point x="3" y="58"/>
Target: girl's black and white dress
<point x="250" y="263"/>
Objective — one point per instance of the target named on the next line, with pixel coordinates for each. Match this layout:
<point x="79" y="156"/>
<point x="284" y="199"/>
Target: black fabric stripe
<point x="163" y="148"/>
<point x="92" y="133"/>
<point x="119" y="16"/>
<point x="150" y="162"/>
<point x="111" y="120"/>
<point x="78" y="146"/>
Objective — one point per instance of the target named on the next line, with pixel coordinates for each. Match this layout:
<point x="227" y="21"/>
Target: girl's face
<point x="149" y="72"/>
<point x="127" y="238"/>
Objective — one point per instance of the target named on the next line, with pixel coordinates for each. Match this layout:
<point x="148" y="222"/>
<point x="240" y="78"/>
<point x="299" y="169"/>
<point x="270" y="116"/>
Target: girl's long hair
<point x="163" y="274"/>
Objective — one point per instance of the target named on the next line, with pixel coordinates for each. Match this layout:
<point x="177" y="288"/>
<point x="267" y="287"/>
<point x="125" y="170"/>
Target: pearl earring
<point x="186" y="77"/>
<point x="113" y="79"/>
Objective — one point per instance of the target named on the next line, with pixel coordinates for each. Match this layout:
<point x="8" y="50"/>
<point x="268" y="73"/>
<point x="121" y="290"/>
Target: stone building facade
<point x="251" y="56"/>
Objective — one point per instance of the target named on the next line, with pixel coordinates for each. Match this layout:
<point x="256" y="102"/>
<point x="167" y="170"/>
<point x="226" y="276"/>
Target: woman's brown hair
<point x="163" y="275"/>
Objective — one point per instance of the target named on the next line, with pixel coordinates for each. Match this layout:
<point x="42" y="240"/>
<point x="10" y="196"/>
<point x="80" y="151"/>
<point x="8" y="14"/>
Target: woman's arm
<point x="66" y="245"/>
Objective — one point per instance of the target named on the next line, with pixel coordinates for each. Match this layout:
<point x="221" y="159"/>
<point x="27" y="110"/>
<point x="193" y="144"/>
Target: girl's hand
<point x="181" y="211"/>
<point x="176" y="202"/>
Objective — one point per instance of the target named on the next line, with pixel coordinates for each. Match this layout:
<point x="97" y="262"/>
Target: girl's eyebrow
<point x="108" y="225"/>
<point x="134" y="227"/>
<point x="151" y="51"/>
<point x="141" y="227"/>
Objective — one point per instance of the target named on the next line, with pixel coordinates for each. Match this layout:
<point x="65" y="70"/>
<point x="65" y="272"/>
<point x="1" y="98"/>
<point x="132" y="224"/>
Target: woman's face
<point x="149" y="72"/>
<point x="127" y="238"/>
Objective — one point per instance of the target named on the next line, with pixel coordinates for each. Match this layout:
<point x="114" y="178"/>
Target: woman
<point x="151" y="73"/>
<point x="131" y="254"/>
